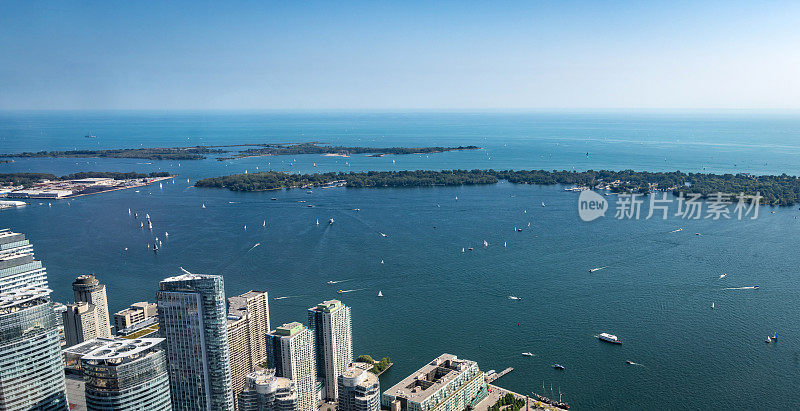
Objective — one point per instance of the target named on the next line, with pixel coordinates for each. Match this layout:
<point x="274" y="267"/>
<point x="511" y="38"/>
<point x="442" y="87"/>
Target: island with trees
<point x="781" y="189"/>
<point x="234" y="151"/>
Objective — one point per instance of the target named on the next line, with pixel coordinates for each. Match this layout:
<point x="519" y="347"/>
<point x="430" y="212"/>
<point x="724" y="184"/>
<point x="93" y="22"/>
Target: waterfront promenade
<point x="495" y="393"/>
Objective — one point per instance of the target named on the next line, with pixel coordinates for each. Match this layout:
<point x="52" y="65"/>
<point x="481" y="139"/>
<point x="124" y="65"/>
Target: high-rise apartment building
<point x="291" y="353"/>
<point x="192" y="316"/>
<point x="330" y="321"/>
<point x="87" y="288"/>
<point x="18" y="267"/>
<point x="248" y="324"/>
<point x="80" y="323"/>
<point x="359" y="389"/>
<point x="123" y="375"/>
<point x="31" y="368"/>
<point x="263" y="391"/>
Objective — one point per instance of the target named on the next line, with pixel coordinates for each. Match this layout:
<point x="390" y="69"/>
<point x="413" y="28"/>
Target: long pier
<point x="497" y="376"/>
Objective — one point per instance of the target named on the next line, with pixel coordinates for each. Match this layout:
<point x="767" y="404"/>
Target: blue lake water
<point x="655" y="293"/>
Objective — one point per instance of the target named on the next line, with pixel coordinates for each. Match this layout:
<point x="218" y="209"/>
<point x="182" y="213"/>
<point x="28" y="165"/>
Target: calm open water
<point x="655" y="294"/>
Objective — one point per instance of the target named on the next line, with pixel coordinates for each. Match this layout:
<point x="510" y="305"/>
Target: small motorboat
<point x="470" y="249"/>
<point x="519" y="229"/>
<point x="629" y="362"/>
<point x="527" y="354"/>
<point x="380" y="294"/>
<point x="559" y="367"/>
<point x="273" y="199"/>
<point x="330" y="221"/>
<point x="340" y="291"/>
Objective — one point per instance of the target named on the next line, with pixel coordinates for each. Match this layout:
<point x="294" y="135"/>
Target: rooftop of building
<point x="8" y="236"/>
<point x="86" y="279"/>
<point x="288" y="330"/>
<point x="187" y="276"/>
<point x="237" y="306"/>
<point x="328" y="306"/>
<point x="268" y="378"/>
<point x="430" y="378"/>
<point x="116" y="350"/>
<point x="359" y="374"/>
<point x="23" y="298"/>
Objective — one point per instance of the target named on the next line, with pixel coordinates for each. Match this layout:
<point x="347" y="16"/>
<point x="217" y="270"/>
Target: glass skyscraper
<point x="31" y="368"/>
<point x="123" y="375"/>
<point x="192" y="315"/>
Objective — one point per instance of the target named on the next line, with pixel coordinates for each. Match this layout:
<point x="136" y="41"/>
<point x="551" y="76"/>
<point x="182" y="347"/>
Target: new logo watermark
<point x="592" y="206"/>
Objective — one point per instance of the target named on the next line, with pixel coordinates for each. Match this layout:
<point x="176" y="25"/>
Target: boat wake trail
<point x="350" y="291"/>
<point x="285" y="297"/>
<point x="597" y="269"/>
<point x="339" y="281"/>
<point x="251" y="248"/>
<point x="755" y="287"/>
<point x="675" y="231"/>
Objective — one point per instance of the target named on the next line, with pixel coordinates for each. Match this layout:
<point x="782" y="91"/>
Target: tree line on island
<point x="29" y="179"/>
<point x="202" y="152"/>
<point x="775" y="189"/>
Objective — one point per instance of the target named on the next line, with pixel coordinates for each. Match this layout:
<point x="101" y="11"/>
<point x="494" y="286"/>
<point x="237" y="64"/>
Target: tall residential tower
<point x="123" y="375"/>
<point x="290" y="352"/>
<point x="31" y="368"/>
<point x="248" y="324"/>
<point x="88" y="289"/>
<point x="331" y="324"/>
<point x="191" y="311"/>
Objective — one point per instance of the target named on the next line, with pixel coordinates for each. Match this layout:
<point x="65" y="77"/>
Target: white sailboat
<point x="505" y="244"/>
<point x="330" y="221"/>
<point x="462" y="249"/>
<point x="380" y="294"/>
<point x="381" y="261"/>
<point x="318" y="221"/>
<point x="166" y="234"/>
<point x="542" y="203"/>
<point x="129" y="211"/>
<point x="204" y="205"/>
<point x="160" y="186"/>
<point x="245" y="227"/>
<point x="264" y="224"/>
<point x="712" y="305"/>
<point x="485" y="244"/>
<point x="149" y="225"/>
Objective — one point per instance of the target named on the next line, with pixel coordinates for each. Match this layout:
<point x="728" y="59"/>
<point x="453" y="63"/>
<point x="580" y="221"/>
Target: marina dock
<point x="491" y="378"/>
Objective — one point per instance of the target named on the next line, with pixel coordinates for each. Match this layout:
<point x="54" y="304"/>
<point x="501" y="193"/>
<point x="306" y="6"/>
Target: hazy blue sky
<point x="399" y="55"/>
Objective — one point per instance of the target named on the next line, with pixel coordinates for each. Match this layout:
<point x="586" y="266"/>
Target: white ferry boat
<point x="609" y="338"/>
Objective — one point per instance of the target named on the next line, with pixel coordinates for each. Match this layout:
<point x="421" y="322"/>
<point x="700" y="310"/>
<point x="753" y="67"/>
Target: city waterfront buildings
<point x="248" y="324"/>
<point x="123" y="375"/>
<point x="263" y="391"/>
<point x="331" y="323"/>
<point x="291" y="353"/>
<point x="447" y="383"/>
<point x="87" y="288"/>
<point x="31" y="368"/>
<point x="192" y="316"/>
<point x="358" y="389"/>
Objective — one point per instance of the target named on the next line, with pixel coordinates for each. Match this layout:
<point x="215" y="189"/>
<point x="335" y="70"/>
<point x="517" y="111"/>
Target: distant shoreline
<point x="255" y="150"/>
